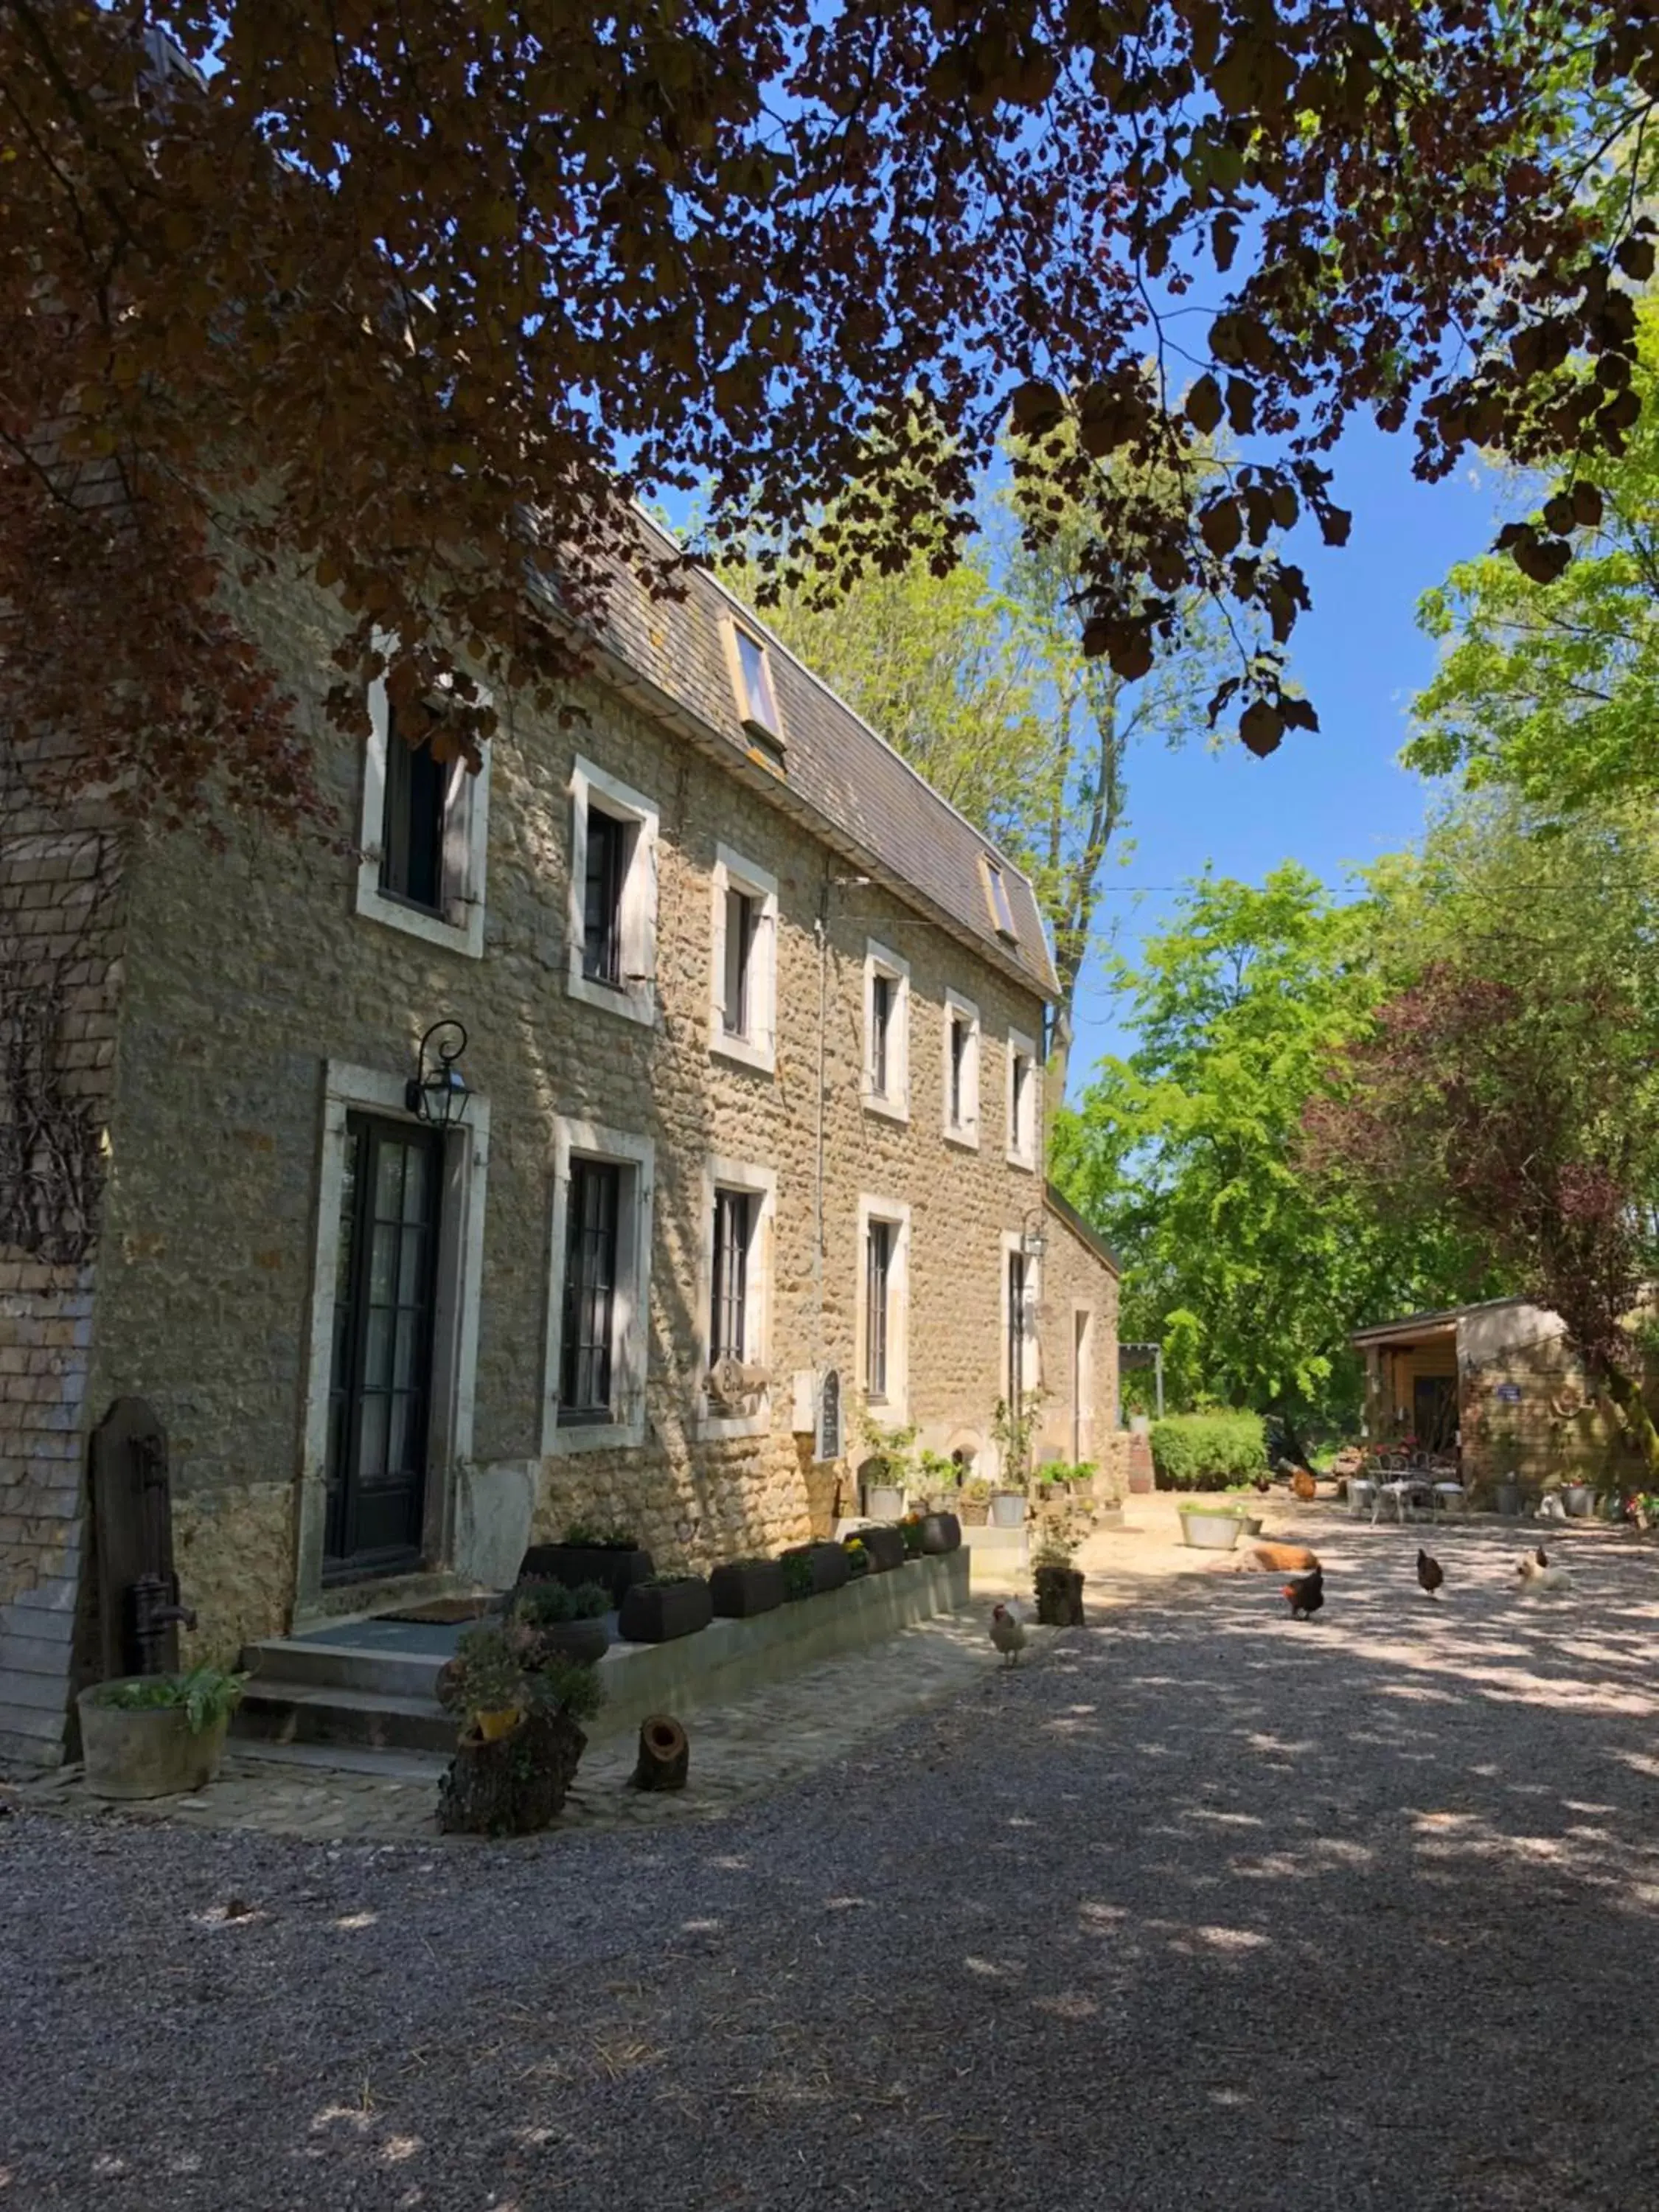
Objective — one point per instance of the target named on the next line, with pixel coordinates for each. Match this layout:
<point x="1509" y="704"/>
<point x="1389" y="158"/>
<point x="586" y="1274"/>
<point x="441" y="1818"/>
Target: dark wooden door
<point x="1434" y="1411"/>
<point x="381" y="1398"/>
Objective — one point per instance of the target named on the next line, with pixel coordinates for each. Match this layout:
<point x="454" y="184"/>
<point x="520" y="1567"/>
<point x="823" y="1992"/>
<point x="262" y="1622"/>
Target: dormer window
<point x="996" y="890"/>
<point x="757" y="701"/>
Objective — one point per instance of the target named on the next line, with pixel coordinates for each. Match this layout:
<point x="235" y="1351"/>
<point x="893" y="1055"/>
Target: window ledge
<point x="637" y="1003"/>
<point x="890" y="1109"/>
<point x="594" y="1436"/>
<point x="744" y="1053"/>
<point x="966" y="1140"/>
<point x="1022" y="1160"/>
<point x="465" y="938"/>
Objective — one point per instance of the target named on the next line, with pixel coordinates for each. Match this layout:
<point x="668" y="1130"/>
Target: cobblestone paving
<point x="740" y="1750"/>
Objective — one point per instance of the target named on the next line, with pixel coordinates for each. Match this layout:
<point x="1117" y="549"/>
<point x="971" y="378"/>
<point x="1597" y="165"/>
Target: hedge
<point x="1202" y="1451"/>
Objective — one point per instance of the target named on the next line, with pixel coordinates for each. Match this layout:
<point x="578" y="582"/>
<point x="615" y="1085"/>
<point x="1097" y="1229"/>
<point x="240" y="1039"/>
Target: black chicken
<point x="1430" y="1572"/>
<point x="1306" y="1594"/>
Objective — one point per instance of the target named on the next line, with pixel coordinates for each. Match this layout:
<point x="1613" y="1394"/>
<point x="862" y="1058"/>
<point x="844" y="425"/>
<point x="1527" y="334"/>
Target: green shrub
<point x="1206" y="1451"/>
<point x="548" y="1605"/>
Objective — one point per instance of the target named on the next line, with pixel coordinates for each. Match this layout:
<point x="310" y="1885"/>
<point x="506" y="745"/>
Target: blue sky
<point x="1329" y="801"/>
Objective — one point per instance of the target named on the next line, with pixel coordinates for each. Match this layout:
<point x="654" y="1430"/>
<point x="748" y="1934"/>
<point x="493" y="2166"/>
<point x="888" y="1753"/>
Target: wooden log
<point x="665" y="1755"/>
<point x="514" y="1786"/>
<point x="1059" y="1596"/>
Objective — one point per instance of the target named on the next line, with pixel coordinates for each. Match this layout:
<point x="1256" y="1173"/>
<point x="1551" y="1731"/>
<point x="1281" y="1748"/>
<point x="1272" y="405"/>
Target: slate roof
<point x="839" y="776"/>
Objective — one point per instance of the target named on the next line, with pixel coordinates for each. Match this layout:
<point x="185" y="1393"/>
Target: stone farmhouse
<point x="750" y="1025"/>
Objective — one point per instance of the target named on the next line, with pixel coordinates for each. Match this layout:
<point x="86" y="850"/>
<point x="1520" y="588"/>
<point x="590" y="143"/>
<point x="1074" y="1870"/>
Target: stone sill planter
<point x="1208" y="1531"/>
<point x="617" y="1566"/>
<point x="136" y="1754"/>
<point x="657" y="1612"/>
<point x="831" y="1568"/>
<point x="740" y="1593"/>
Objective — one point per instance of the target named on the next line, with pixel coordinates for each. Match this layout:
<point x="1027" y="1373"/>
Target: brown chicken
<point x="1430" y="1572"/>
<point x="1304" y="1485"/>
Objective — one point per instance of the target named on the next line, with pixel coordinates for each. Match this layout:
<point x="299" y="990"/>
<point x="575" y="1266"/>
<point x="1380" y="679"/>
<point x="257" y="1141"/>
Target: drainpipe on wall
<point x="822" y="935"/>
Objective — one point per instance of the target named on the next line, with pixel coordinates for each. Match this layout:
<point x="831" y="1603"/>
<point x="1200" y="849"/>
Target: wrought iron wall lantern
<point x="1033" y="1241"/>
<point x="437" y="1092"/>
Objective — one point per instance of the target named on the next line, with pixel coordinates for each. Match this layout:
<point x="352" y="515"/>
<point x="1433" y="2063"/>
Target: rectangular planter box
<point x="829" y="1564"/>
<point x="575" y="1563"/>
<point x="740" y="1593"/>
<point x="656" y="1613"/>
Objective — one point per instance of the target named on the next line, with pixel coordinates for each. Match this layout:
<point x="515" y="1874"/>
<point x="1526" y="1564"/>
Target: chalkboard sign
<point x="829" y="1442"/>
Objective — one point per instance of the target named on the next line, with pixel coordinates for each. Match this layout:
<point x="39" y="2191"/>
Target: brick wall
<point x="60" y="981"/>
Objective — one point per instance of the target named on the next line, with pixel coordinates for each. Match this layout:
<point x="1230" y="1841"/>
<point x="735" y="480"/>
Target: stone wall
<point x="251" y="970"/>
<point x="1527" y="1407"/>
<point x="60" y="981"/>
<point x="1079" y="1419"/>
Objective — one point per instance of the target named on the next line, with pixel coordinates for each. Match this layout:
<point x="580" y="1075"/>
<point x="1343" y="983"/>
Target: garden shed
<point x="1496" y="1383"/>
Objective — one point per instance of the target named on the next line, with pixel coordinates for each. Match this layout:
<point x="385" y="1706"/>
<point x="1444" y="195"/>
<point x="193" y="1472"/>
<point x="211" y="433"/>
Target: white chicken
<point x="1008" y="1630"/>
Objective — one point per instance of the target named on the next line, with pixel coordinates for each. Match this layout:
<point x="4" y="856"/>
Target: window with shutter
<point x="602" y="908"/>
<point x="728" y="1322"/>
<point x="589" y="1337"/>
<point x="878" y="1258"/>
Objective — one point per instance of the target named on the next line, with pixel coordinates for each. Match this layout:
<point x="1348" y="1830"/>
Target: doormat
<point x="443" y="1611"/>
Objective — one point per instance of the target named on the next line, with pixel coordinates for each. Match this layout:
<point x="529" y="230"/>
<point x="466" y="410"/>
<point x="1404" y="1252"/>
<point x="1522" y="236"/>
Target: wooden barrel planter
<point x="658" y="1612"/>
<point x="618" y="1566"/>
<point x="747" y="1587"/>
<point x="886" y="1545"/>
<point x="827" y="1564"/>
<point x="940" y="1533"/>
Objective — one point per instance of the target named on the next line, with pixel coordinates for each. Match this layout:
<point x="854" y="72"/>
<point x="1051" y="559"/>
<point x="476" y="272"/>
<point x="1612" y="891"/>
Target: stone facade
<point x="262" y="1003"/>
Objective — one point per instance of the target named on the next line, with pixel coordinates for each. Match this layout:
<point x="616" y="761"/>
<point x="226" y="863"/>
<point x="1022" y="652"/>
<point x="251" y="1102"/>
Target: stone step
<point x="343" y="1667"/>
<point x="285" y="1712"/>
<point x="382" y="1765"/>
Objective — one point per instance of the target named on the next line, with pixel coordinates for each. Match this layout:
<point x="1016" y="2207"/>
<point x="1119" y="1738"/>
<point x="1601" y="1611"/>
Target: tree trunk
<point x="1626" y="1393"/>
<point x="516" y="1784"/>
<point x="665" y="1755"/>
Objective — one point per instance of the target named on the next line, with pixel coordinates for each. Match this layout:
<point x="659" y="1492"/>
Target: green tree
<point x="1187" y="1153"/>
<point x="1510" y="1090"/>
<point x="1551" y="687"/>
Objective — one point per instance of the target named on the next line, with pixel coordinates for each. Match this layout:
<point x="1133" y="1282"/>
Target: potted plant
<point x="1007" y="1508"/>
<point x="940" y="1533"/>
<point x="885" y="1475"/>
<point x="566" y="1620"/>
<point x="973" y="1507"/>
<point x="590" y="1553"/>
<point x="1014" y="1428"/>
<point x="857" y="1558"/>
<point x="521" y="1739"/>
<point x="156" y="1736"/>
<point x="742" y="1588"/>
<point x="666" y="1606"/>
<point x="1210" y="1527"/>
<point x="825" y="1568"/>
<point x="1576" y="1496"/>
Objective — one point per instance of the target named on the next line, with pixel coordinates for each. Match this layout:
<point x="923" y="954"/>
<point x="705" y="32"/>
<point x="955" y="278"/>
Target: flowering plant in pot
<point x="518" y="1756"/>
<point x="565" y="1619"/>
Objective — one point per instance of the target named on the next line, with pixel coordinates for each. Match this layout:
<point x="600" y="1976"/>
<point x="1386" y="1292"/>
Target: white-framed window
<point x="996" y="898"/>
<point x="884" y="1308"/>
<point x="1083" y="1381"/>
<point x="961" y="1070"/>
<point x="886" y="1088"/>
<point x="612" y="923"/>
<point x="1023" y="1100"/>
<point x="599" y="1288"/>
<point x="362" y="1257"/>
<point x="751" y="667"/>
<point x="745" y="981"/>
<point x="1022" y="1375"/>
<point x="740" y="1204"/>
<point x="423" y="834"/>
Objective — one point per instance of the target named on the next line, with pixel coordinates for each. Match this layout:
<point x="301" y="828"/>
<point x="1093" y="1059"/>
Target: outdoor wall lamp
<point x="437" y="1092"/>
<point x="1033" y="1243"/>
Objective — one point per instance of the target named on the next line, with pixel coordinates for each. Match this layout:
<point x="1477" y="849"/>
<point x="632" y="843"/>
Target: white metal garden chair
<point x="1403" y="1491"/>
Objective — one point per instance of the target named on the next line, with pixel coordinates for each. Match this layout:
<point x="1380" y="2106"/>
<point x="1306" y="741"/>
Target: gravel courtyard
<point x="1204" y="1909"/>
